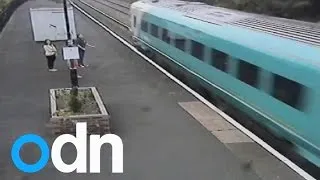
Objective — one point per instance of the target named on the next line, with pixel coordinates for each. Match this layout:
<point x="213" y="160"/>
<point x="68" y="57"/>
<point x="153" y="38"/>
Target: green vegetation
<point x="3" y="4"/>
<point x="75" y="102"/>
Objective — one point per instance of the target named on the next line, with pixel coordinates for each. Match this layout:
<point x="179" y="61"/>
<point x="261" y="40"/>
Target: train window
<point x="154" y="30"/>
<point x="219" y="60"/>
<point x="288" y="91"/>
<point x="165" y="36"/>
<point x="248" y="73"/>
<point x="144" y="26"/>
<point x="134" y="21"/>
<point x="197" y="50"/>
<point x="180" y="42"/>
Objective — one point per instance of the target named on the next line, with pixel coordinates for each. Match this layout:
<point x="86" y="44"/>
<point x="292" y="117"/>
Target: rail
<point x="124" y="6"/>
<point x="106" y="15"/>
<point x="112" y="7"/>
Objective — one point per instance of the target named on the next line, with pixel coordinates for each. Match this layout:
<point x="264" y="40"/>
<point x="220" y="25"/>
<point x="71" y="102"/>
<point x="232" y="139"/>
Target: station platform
<point x="167" y="132"/>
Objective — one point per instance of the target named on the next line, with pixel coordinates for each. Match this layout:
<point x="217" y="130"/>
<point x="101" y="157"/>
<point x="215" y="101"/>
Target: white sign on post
<point x="70" y="53"/>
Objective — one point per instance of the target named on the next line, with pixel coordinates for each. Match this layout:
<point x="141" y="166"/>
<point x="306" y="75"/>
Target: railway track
<point x="118" y="7"/>
<point x="288" y="29"/>
<point x="127" y="6"/>
<point x="126" y="42"/>
<point x="125" y="25"/>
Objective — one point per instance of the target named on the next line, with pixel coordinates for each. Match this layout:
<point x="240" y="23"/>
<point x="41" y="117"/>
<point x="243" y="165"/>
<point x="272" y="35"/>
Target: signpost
<point x="69" y="51"/>
<point x="71" y="54"/>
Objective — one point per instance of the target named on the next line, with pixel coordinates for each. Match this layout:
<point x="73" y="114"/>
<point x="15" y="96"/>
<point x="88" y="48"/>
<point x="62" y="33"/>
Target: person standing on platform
<point x="81" y="43"/>
<point x="50" y="52"/>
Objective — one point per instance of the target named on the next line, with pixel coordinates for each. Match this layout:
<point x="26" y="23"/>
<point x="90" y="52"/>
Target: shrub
<point x="3" y="4"/>
<point x="74" y="103"/>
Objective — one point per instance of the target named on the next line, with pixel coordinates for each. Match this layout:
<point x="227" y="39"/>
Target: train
<point x="266" y="67"/>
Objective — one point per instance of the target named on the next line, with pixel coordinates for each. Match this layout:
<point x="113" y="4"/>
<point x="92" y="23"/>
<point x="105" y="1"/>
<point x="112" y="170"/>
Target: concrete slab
<point x="200" y="111"/>
<point x="231" y="136"/>
<point x="206" y="116"/>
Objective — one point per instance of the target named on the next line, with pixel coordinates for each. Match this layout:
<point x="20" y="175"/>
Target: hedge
<point x="7" y="7"/>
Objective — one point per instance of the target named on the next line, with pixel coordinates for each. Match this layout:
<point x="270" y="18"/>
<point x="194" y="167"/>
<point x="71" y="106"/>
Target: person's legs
<point x="81" y="56"/>
<point x="53" y="60"/>
<point x="49" y="60"/>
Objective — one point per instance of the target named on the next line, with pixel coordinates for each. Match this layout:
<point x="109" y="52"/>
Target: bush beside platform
<point x="89" y="109"/>
<point x="7" y="7"/>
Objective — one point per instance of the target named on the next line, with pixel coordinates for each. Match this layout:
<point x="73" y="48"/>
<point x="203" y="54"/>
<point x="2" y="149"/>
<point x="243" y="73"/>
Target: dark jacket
<point x="81" y="43"/>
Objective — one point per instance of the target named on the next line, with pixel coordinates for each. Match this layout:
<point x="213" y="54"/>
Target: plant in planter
<point x="74" y="103"/>
<point x="69" y="106"/>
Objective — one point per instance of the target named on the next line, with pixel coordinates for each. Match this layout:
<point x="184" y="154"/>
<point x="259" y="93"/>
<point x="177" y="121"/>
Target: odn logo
<point x="80" y="143"/>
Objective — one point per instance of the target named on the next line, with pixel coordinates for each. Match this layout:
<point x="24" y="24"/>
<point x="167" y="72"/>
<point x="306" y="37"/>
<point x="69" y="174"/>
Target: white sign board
<point x="70" y="53"/>
<point x="49" y="23"/>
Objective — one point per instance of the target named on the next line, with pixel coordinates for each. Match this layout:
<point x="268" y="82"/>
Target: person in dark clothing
<point x="81" y="43"/>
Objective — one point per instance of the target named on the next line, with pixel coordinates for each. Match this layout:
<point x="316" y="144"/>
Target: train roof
<point x="282" y="32"/>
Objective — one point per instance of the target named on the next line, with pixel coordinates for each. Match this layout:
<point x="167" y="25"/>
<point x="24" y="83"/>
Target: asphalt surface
<point x="161" y="140"/>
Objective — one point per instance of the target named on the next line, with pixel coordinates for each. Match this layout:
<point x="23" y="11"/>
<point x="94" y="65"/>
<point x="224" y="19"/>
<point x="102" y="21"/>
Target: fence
<point x="8" y="10"/>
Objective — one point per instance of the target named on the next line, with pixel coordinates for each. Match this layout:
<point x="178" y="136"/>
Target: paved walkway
<point x="161" y="140"/>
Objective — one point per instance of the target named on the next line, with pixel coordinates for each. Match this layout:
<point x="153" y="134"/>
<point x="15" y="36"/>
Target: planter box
<point x="94" y="114"/>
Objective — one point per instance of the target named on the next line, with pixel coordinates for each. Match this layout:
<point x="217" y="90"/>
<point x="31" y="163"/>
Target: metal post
<point x="67" y="19"/>
<point x="73" y="69"/>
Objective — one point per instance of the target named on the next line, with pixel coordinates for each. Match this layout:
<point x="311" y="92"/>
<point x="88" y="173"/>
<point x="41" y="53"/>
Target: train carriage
<point x="268" y="69"/>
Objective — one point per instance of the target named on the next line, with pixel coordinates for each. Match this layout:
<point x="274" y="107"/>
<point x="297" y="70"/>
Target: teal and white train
<point x="269" y="68"/>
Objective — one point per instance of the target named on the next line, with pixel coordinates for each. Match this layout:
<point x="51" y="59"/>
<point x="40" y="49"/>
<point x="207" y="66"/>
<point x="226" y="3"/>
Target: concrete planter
<point x="96" y="123"/>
